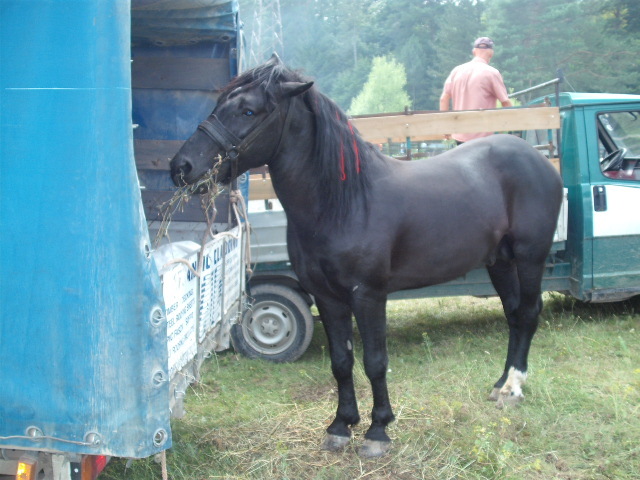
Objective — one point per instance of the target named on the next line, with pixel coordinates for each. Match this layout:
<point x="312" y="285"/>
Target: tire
<point x="277" y="327"/>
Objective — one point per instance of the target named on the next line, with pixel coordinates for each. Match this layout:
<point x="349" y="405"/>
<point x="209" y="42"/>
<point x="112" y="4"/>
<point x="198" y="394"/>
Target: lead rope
<point x="163" y="464"/>
<point x="240" y="211"/>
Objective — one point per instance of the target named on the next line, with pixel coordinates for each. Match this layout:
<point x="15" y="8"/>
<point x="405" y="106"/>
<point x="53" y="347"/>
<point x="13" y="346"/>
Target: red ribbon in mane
<point x="343" y="173"/>
<point x="355" y="147"/>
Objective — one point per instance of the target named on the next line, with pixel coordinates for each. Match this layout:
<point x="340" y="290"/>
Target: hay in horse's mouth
<point x="207" y="189"/>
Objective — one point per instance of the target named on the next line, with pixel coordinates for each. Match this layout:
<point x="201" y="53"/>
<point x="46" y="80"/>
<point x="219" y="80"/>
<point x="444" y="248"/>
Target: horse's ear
<point x="291" y="89"/>
<point x="275" y="59"/>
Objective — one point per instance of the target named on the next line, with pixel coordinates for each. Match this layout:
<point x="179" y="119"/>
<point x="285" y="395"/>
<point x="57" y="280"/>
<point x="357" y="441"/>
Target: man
<point x="474" y="85"/>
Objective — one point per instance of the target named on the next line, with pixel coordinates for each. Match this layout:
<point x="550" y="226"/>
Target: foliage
<point x="621" y="16"/>
<point x="460" y="24"/>
<point x="250" y="419"/>
<point x="384" y="90"/>
<point x="591" y="55"/>
<point x="594" y="42"/>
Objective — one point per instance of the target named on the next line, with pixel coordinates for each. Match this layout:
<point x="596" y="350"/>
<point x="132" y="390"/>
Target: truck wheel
<point x="277" y="327"/>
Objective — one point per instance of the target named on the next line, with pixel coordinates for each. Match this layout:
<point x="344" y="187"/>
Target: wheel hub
<point x="271" y="327"/>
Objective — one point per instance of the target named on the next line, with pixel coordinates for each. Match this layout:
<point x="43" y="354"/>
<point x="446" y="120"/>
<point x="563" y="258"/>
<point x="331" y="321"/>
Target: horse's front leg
<point x="336" y="319"/>
<point x="369" y="308"/>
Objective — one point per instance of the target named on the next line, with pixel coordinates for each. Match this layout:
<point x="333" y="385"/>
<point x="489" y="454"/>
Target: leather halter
<point x="233" y="146"/>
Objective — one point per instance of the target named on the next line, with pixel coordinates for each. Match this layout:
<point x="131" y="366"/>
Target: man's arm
<point x="444" y="102"/>
<point x="444" y="107"/>
<point x="500" y="91"/>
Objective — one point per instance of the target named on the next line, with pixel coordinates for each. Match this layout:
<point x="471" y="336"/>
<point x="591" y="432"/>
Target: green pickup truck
<point x="596" y="254"/>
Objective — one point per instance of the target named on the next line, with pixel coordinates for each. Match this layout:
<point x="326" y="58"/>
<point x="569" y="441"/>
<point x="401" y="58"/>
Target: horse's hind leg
<point x="505" y="280"/>
<point x="336" y="319"/>
<point x="519" y="289"/>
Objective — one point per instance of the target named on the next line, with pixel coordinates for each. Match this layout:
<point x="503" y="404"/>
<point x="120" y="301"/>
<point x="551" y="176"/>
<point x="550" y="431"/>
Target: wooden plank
<point x="155" y="154"/>
<point x="260" y="188"/>
<point x="432" y="126"/>
<point x="168" y="73"/>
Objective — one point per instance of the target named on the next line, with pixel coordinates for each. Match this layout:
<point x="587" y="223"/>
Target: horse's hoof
<point x="508" y="400"/>
<point x="374" y="448"/>
<point x="494" y="395"/>
<point x="334" y="443"/>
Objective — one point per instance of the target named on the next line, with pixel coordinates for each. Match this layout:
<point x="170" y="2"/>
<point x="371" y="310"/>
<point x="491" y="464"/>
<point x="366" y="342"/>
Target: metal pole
<point x="536" y="87"/>
<point x="560" y="79"/>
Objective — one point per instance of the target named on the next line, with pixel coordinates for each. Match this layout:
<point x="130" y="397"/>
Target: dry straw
<point x="207" y="189"/>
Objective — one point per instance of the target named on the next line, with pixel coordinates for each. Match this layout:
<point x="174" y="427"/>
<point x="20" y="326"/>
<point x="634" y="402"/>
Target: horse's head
<point x="244" y="130"/>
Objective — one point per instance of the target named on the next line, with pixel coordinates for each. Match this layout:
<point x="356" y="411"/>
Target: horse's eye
<point x="248" y="113"/>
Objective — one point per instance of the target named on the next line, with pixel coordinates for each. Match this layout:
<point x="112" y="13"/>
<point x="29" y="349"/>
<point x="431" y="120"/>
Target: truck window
<point x="619" y="144"/>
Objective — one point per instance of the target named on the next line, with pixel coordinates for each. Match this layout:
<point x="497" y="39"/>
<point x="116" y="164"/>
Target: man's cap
<point x="483" y="42"/>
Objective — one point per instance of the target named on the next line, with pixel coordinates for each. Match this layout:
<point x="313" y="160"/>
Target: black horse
<point x="362" y="225"/>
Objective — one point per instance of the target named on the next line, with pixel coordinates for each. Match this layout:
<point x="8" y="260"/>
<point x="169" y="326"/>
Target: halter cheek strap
<point x="233" y="146"/>
<point x="219" y="134"/>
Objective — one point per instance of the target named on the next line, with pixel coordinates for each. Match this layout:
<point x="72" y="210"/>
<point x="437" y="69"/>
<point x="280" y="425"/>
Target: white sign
<point x="179" y="289"/>
<point x="233" y="273"/>
<point x="211" y="281"/>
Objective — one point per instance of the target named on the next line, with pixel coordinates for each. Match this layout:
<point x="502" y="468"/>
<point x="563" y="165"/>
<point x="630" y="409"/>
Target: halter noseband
<point x="233" y="146"/>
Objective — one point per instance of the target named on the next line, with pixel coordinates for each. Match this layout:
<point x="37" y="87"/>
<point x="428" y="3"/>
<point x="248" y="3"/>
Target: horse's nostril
<point x="180" y="168"/>
<point x="185" y="168"/>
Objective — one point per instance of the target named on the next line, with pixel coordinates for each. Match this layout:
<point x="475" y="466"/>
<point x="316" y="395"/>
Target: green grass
<point x="251" y="419"/>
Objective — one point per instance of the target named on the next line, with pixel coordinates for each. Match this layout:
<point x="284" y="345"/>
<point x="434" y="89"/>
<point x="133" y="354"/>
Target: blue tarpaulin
<point x="184" y="21"/>
<point x="183" y="53"/>
<point x="83" y="360"/>
<point x="83" y="343"/>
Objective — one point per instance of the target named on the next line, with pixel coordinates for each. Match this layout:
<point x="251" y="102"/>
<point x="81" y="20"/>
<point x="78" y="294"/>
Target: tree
<point x="325" y="41"/>
<point x="348" y="83"/>
<point x="594" y="42"/>
<point x="459" y="24"/>
<point x="406" y="30"/>
<point x="384" y="90"/>
<point x="536" y="38"/>
<point x="622" y="16"/>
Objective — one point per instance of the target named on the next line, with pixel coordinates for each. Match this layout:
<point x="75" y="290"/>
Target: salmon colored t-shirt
<point x="475" y="85"/>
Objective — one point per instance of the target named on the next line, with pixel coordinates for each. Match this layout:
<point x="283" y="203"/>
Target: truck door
<point x="615" y="202"/>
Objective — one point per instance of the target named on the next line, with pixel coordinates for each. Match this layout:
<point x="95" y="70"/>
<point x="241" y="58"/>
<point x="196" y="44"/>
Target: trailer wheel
<point x="277" y="327"/>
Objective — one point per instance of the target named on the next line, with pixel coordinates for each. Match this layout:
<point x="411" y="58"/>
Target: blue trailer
<point x="101" y="328"/>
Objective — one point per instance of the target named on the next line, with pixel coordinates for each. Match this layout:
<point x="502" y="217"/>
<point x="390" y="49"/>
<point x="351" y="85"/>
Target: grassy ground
<point x="581" y="418"/>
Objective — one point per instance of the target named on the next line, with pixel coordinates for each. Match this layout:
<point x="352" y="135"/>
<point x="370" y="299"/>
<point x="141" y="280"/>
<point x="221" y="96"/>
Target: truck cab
<point x="600" y="164"/>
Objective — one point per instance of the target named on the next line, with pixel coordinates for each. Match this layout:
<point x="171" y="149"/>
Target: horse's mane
<point x="341" y="157"/>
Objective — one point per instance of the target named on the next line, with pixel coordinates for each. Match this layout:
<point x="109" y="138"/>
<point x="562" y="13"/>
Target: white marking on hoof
<point x="374" y="448"/>
<point x="511" y="392"/>
<point x="334" y="443"/>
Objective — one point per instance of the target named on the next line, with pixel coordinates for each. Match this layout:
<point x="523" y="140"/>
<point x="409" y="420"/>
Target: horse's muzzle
<point x="181" y="167"/>
<point x="183" y="172"/>
<point x="224" y="174"/>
